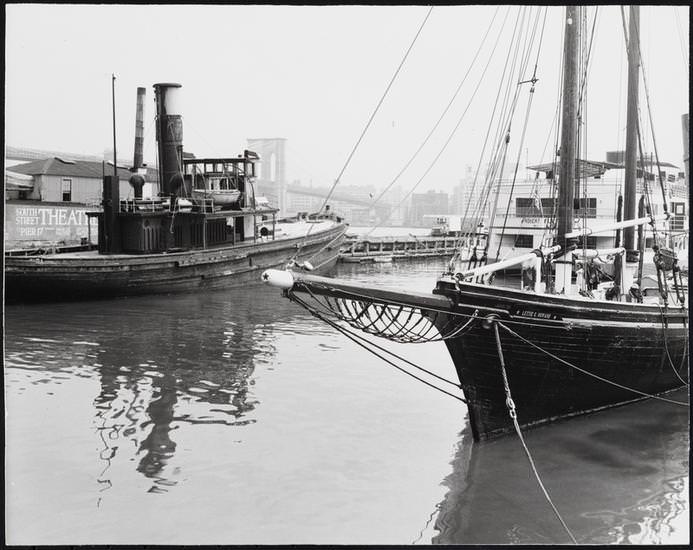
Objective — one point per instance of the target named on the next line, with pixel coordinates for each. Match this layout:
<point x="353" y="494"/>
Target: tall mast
<point x="686" y="154"/>
<point x="566" y="182"/>
<point x="630" y="189"/>
<point x="115" y="162"/>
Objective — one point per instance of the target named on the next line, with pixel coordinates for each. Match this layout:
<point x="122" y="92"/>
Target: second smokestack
<point x="136" y="180"/>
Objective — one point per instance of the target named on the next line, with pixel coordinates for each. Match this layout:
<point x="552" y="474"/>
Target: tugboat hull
<point x="89" y="275"/>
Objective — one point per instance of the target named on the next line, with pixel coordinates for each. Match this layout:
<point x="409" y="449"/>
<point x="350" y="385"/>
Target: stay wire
<point x="481" y="78"/>
<point x="368" y="124"/>
<point x="377" y="107"/>
<point x="442" y="115"/>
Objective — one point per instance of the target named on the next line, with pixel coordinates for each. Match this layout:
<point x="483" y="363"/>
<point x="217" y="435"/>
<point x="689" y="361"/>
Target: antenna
<point x="115" y="162"/>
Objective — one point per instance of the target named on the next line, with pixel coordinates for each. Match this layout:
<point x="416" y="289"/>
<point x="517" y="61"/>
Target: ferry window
<point x="524" y="241"/>
<point x="67" y="189"/>
<point x="525" y="206"/>
<point x="585" y="207"/>
<point x="679" y="208"/>
<point x="548" y="206"/>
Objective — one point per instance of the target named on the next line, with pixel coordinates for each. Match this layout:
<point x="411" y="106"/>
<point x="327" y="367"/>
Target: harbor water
<point x="236" y="417"/>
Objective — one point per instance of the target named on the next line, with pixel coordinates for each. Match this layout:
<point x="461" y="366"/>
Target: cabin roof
<point x="56" y="166"/>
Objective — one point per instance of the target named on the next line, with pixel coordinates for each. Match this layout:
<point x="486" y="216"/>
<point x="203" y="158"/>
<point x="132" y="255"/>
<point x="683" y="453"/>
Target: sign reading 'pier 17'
<point x="46" y="223"/>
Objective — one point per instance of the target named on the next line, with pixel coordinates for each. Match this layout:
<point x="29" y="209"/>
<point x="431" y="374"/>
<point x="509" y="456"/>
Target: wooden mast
<point x="631" y="155"/>
<point x="566" y="182"/>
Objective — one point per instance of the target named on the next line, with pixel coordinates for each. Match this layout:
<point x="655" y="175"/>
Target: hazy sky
<point x="314" y="75"/>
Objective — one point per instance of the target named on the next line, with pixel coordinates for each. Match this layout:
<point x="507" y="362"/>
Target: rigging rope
<point x="517" y="165"/>
<point x="666" y="348"/>
<point x="454" y="130"/>
<point x="359" y="340"/>
<point x="649" y="108"/>
<point x="442" y="115"/>
<point x="498" y="160"/>
<point x="513" y="415"/>
<point x="383" y="319"/>
<point x="479" y="207"/>
<point x="368" y="124"/>
<point x="329" y="244"/>
<point x="524" y="60"/>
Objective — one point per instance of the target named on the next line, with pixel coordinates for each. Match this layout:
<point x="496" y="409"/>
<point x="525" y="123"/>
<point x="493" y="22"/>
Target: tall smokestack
<point x="136" y="180"/>
<point x="169" y="136"/>
<point x="139" y="129"/>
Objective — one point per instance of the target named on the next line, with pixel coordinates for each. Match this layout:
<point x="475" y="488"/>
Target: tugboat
<point x="190" y="237"/>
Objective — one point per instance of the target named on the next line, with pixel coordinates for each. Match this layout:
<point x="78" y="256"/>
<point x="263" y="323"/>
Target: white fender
<point x="279" y="278"/>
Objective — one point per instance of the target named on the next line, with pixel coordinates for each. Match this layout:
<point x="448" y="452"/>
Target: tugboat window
<point x="67" y="190"/>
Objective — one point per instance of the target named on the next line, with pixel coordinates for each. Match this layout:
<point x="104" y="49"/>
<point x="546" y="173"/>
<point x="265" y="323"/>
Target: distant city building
<point x="429" y="203"/>
<point x="467" y="197"/>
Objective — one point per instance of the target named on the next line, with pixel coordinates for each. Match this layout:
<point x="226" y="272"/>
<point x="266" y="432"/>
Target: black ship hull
<point x="89" y="275"/>
<point x="629" y="350"/>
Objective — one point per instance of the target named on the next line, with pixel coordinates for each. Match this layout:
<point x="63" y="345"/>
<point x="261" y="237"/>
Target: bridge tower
<point x="271" y="180"/>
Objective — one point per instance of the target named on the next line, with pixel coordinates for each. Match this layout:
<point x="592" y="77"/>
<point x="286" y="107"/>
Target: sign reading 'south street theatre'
<point x="41" y="223"/>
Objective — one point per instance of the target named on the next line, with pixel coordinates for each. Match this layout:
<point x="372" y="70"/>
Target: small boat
<point x="222" y="197"/>
<point x="181" y="241"/>
<point x="566" y="341"/>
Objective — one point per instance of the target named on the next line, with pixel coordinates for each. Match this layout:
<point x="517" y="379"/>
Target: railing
<point x="139" y="205"/>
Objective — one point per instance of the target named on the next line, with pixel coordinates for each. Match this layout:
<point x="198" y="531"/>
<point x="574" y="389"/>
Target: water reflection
<point x="618" y="476"/>
<point x="159" y="362"/>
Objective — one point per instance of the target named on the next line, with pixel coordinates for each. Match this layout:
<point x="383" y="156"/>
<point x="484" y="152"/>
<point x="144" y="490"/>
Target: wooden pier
<point x="387" y="249"/>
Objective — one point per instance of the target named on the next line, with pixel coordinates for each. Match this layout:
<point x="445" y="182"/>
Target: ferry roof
<point x="585" y="168"/>
<point x="591" y="168"/>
